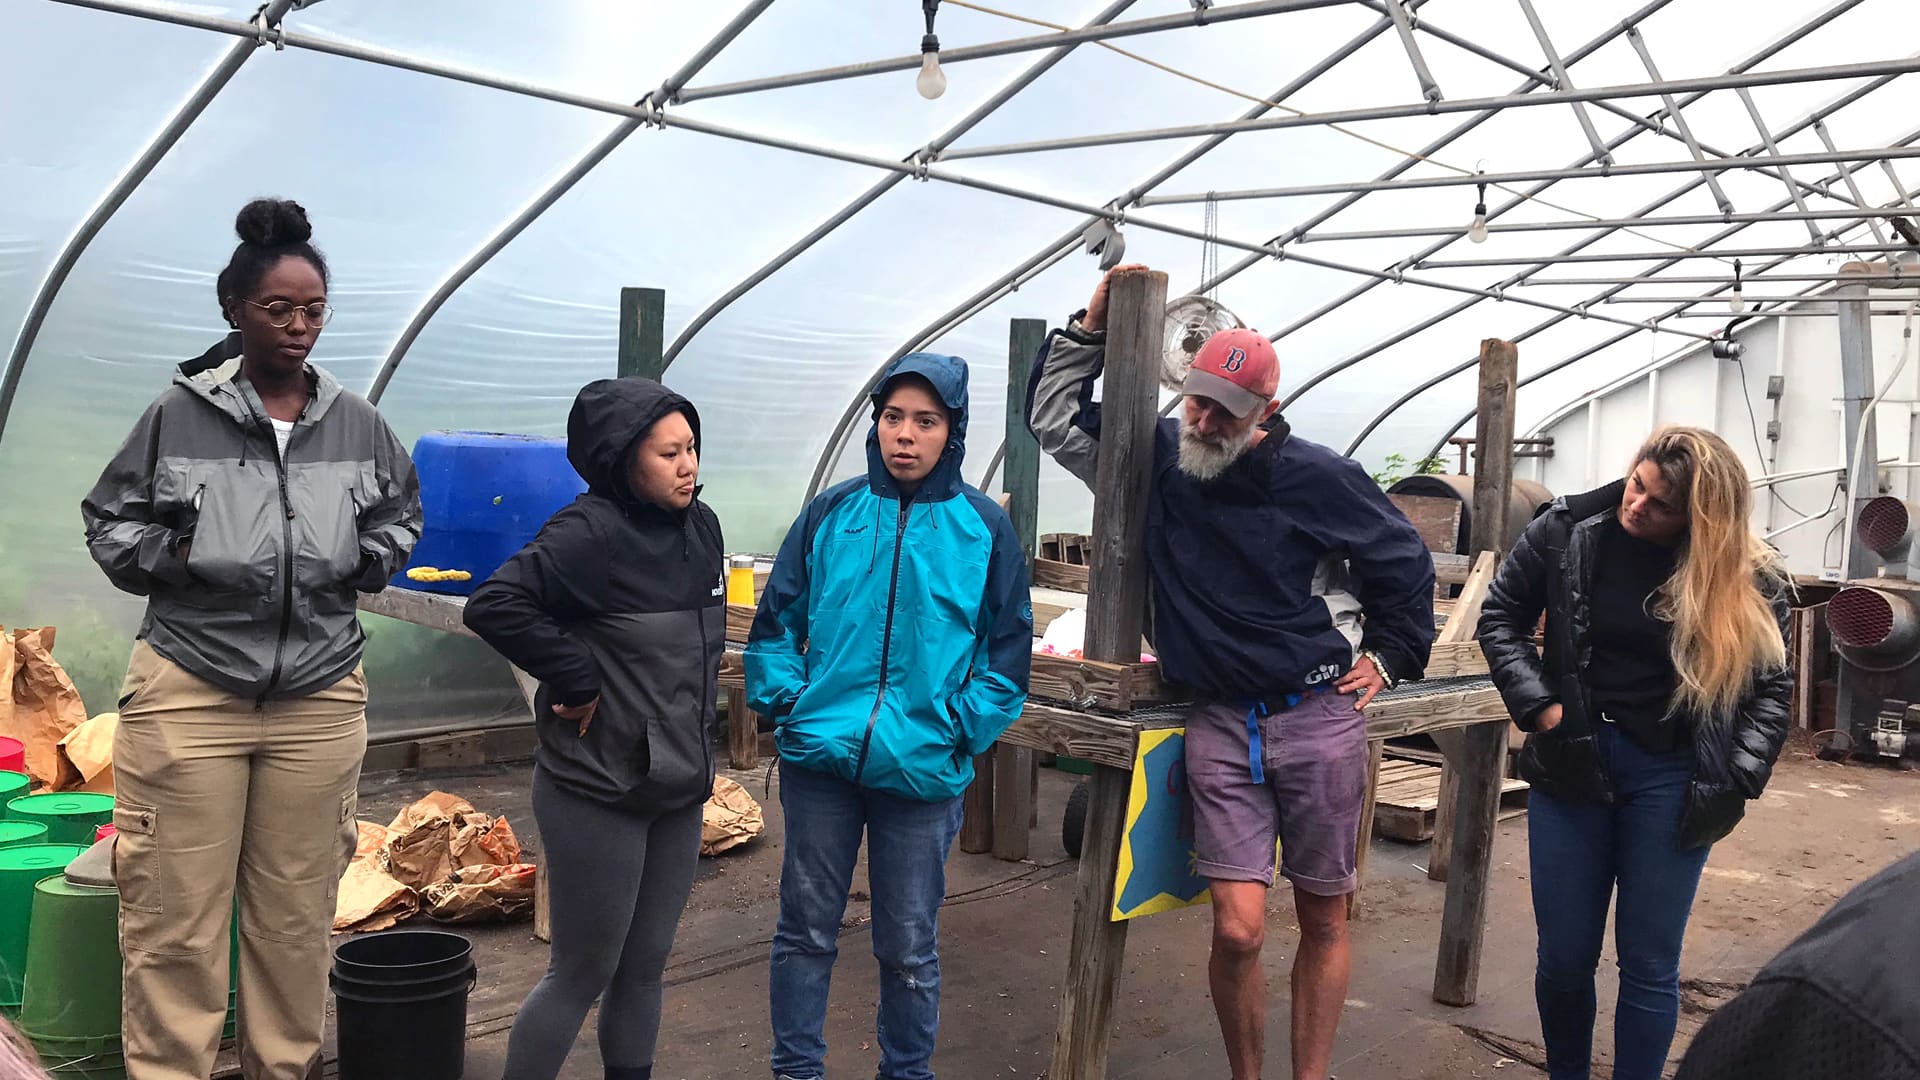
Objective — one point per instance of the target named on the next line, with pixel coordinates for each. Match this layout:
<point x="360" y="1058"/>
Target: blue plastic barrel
<point x="485" y="496"/>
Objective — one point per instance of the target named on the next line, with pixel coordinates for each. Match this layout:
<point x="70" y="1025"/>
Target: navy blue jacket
<point x="1269" y="579"/>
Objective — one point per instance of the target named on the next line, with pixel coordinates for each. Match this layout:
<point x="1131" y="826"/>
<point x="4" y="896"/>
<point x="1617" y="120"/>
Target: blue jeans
<point x="907" y="845"/>
<point x="1578" y="852"/>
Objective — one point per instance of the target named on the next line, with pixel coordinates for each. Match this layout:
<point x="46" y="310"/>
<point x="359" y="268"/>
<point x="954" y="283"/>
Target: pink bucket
<point x="13" y="755"/>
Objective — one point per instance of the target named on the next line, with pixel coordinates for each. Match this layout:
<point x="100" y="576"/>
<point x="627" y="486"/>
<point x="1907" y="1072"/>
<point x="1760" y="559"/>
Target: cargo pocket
<point x="349" y="842"/>
<point x="136" y="858"/>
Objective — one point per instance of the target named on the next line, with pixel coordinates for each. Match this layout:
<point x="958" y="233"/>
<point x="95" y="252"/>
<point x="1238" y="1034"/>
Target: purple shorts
<point x="1314" y="757"/>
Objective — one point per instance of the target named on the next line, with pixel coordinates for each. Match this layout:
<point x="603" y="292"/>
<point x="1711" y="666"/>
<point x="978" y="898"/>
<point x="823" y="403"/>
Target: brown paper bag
<point x="441" y="834"/>
<point x="730" y="818"/>
<point x="40" y="704"/>
<point x="487" y="893"/>
<point x="86" y="756"/>
<point x="370" y="898"/>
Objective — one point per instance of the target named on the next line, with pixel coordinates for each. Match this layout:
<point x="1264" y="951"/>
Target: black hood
<point x="609" y="416"/>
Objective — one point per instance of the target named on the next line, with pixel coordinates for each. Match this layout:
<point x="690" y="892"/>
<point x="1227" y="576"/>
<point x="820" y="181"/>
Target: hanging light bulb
<point x="1477" y="232"/>
<point x="932" y="81"/>
<point x="1736" y="300"/>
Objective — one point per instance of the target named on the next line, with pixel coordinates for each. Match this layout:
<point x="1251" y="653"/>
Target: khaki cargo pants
<point x="217" y="800"/>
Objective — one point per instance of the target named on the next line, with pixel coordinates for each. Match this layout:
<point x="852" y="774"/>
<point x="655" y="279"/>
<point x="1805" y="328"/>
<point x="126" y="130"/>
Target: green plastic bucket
<point x="71" y="817"/>
<point x="82" y="1059"/>
<point x="22" y="833"/>
<point x="13" y="785"/>
<point x="21" y="868"/>
<point x="72" y="984"/>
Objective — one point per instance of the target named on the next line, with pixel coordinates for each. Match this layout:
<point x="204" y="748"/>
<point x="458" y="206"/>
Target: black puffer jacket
<point x="621" y="600"/>
<point x="1551" y="569"/>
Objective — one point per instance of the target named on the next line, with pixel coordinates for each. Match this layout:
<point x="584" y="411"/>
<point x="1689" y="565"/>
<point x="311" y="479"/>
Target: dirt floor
<point x="1821" y="829"/>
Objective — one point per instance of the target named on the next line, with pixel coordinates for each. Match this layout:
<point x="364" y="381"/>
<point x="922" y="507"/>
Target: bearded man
<point x="1286" y="592"/>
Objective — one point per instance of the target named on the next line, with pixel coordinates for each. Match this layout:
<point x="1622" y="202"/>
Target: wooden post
<point x="743" y="732"/>
<point x="1482" y="756"/>
<point x="1460" y="627"/>
<point x="976" y="808"/>
<point x="1117" y="583"/>
<point x="1116" y="607"/>
<point x="643" y="333"/>
<point x="1021" y="471"/>
<point x="1015" y="779"/>
<point x="1099" y="944"/>
<point x="1012" y="800"/>
<point x="1376" y="751"/>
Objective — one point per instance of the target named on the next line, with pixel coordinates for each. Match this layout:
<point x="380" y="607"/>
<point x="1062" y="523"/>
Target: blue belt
<point x="1258" y="710"/>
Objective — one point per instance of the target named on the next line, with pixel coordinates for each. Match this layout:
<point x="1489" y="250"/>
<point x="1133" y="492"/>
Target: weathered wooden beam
<point x="1098" y="946"/>
<point x="739" y="622"/>
<point x="1117" y="585"/>
<point x="435" y="611"/>
<point x="1054" y="574"/>
<point x="1454" y="659"/>
<point x="1376" y="750"/>
<point x="1091" y="684"/>
<point x="1459" y="630"/>
<point x="1480" y="764"/>
<point x="743" y="731"/>
<point x="1013" y="773"/>
<point x="643" y="326"/>
<point x="976" y="808"/>
<point x="1102" y="740"/>
<point x="1020" y="472"/>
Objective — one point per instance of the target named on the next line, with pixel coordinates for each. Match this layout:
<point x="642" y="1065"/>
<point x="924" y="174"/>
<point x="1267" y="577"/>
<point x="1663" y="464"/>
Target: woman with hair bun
<point x="249" y="505"/>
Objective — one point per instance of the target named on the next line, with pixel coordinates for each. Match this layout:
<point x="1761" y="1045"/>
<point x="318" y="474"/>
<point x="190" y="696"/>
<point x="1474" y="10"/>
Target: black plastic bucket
<point x="401" y="1001"/>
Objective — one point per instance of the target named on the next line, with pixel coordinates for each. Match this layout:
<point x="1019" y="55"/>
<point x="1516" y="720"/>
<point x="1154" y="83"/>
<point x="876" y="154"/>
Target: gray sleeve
<point x="123" y="536"/>
<point x="1060" y="406"/>
<point x="391" y="526"/>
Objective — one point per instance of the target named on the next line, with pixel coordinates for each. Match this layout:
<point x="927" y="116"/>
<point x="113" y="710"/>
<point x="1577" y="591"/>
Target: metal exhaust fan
<point x="1191" y="320"/>
<point x="1876" y="630"/>
<point x="1886" y="527"/>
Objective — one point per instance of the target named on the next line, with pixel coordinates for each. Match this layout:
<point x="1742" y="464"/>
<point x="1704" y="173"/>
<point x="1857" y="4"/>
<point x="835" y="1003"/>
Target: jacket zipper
<point x="886" y="642"/>
<point x="286" y="569"/>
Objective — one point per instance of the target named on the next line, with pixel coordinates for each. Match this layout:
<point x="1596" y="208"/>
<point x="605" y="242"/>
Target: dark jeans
<point x="1578" y="853"/>
<point x="907" y="846"/>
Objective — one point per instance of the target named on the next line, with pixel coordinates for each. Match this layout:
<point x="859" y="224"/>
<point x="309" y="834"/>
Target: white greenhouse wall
<point x="1700" y="390"/>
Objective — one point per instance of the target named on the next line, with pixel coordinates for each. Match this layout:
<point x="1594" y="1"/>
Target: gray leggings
<point x="619" y="883"/>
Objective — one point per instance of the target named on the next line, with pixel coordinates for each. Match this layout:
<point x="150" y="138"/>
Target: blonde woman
<point x="1655" y="712"/>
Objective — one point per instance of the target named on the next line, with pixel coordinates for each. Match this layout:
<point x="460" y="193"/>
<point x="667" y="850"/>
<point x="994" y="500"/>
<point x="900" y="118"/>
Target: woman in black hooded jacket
<point x="618" y="607"/>
<point x="1656" y="711"/>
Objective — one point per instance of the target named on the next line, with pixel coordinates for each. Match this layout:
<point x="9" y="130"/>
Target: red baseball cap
<point x="1237" y="368"/>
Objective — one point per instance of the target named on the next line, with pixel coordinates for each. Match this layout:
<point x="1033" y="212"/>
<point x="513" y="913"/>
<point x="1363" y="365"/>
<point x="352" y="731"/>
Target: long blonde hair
<point x="1724" y="632"/>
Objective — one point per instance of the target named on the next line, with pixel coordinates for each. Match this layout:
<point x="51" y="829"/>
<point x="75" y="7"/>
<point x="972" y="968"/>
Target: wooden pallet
<point x="1409" y="797"/>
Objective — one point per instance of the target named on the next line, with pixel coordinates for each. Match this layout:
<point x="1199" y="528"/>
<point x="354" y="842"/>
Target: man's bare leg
<point x="1238" y="981"/>
<point x="1319" y="981"/>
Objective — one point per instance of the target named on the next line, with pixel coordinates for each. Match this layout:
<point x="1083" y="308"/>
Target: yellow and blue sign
<point x="1157" y="855"/>
<point x="1156" y="848"/>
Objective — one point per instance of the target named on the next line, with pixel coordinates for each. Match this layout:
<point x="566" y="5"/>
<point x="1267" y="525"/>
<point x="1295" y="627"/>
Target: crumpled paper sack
<point x="730" y="818"/>
<point x="482" y="894"/>
<point x="370" y="898"/>
<point x="443" y="833"/>
<point x="38" y="702"/>
<point x="85" y="756"/>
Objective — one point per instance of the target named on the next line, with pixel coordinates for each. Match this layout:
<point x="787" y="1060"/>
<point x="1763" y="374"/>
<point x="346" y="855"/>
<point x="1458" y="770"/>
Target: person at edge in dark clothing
<point x="618" y="608"/>
<point x="1842" y="1002"/>
<point x="1287" y="592"/>
<point x="1656" y="712"/>
<point x="892" y="644"/>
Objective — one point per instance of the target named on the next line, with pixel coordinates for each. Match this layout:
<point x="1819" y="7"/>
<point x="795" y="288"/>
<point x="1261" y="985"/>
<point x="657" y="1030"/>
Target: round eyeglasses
<point x="280" y="312"/>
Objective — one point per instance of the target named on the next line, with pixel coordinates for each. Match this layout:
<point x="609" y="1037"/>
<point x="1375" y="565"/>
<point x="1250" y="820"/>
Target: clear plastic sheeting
<point x="371" y="117"/>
